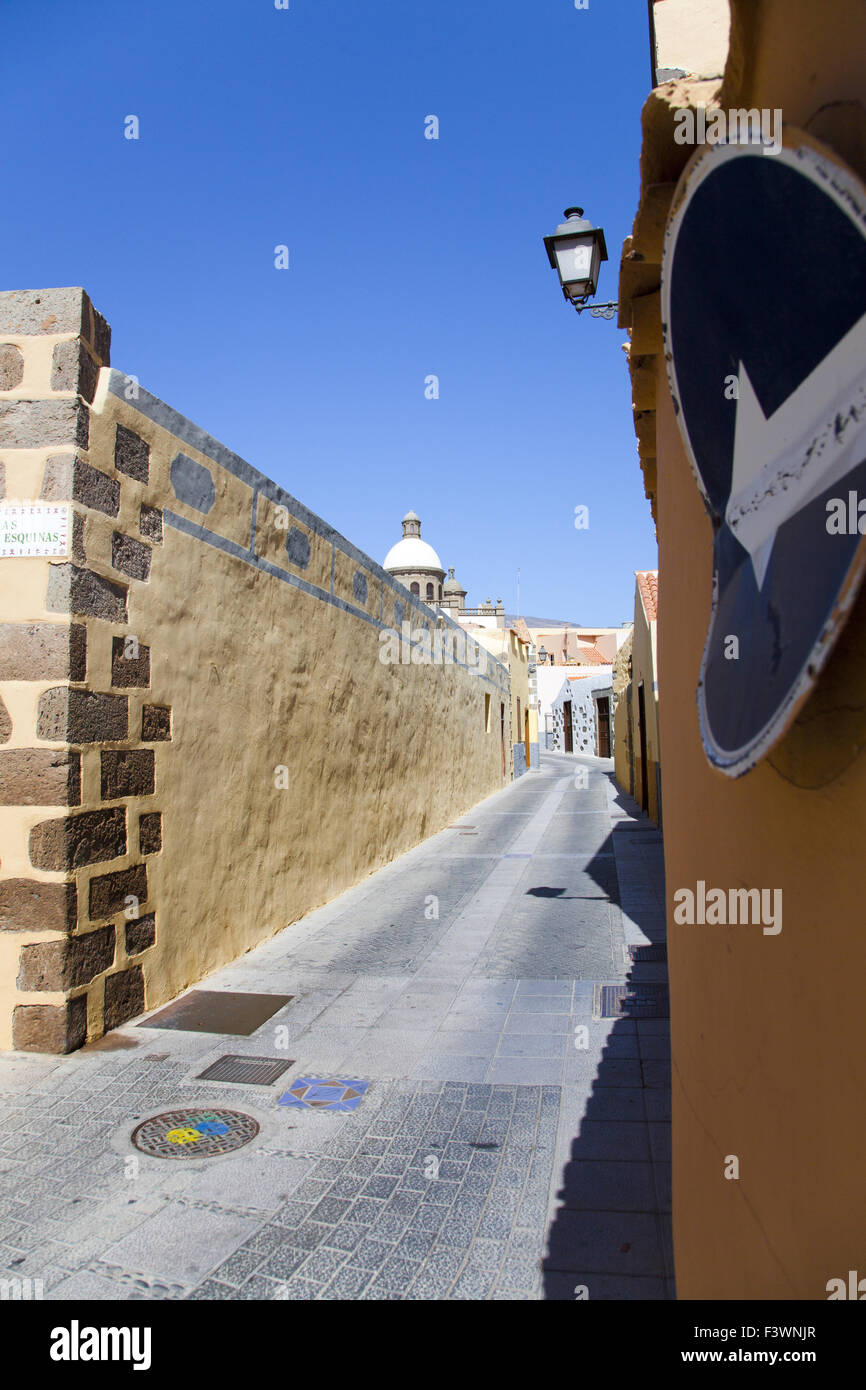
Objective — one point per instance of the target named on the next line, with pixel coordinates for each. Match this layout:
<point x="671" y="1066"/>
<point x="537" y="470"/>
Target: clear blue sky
<point x="408" y="256"/>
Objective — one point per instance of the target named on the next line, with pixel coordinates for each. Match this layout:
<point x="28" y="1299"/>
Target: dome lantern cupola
<point x="415" y="563"/>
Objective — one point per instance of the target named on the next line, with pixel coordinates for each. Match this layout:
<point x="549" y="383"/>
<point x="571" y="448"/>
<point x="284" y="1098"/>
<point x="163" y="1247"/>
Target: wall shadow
<point x="611" y="1235"/>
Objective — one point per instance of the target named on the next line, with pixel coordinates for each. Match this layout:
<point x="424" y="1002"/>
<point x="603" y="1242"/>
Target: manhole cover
<point x="250" y="1071"/>
<point x="194" y="1133"/>
<point x="630" y="1001"/>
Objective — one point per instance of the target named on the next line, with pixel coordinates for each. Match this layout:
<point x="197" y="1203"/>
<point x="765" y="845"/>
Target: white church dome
<point x="411" y="553"/>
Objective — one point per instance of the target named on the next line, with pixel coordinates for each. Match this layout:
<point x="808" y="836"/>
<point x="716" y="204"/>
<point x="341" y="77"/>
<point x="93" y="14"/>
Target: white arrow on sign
<point x="814" y="439"/>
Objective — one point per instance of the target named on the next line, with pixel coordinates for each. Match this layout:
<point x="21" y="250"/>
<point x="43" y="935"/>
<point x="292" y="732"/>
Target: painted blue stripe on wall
<point x="211" y="538"/>
<point x="155" y="410"/>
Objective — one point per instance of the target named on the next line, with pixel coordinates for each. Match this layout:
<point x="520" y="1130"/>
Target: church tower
<point x="415" y="563"/>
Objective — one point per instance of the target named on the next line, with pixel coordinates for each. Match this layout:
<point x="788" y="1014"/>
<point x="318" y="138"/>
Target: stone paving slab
<point x="509" y="1145"/>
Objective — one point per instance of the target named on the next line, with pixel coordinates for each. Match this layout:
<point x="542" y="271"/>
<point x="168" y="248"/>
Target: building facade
<point x="769" y="1070"/>
<point x="581" y="715"/>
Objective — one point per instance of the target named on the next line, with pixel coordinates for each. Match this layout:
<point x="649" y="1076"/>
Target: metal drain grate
<point x="218" y="1011"/>
<point x="245" y="1071"/>
<point x="194" y="1133"/>
<point x="630" y="1001"/>
<point x="656" y="952"/>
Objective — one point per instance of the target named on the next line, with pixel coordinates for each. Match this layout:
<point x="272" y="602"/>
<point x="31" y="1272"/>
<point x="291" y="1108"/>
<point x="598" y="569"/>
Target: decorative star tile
<point x="324" y="1093"/>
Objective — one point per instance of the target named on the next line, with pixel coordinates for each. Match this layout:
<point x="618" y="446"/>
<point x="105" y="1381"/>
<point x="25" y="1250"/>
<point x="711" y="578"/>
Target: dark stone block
<point x="77" y="652"/>
<point x="130" y="556"/>
<point x="69" y="479"/>
<point x="62" y="965"/>
<point x="140" y="934"/>
<point x="298" y="548"/>
<point x="26" y="904"/>
<point x="124" y="996"/>
<point x="130" y="671"/>
<point x="11" y="366"/>
<point x="73" y="369"/>
<point x="78" y="552"/>
<point x="359" y="586"/>
<point x="5" y="723"/>
<point x="131" y="454"/>
<point x="192" y="483"/>
<point x="81" y="716"/>
<point x="64" y="310"/>
<point x="150" y="524"/>
<point x="50" y="1027"/>
<point x="69" y="842"/>
<point x="40" y="777"/>
<point x="39" y="424"/>
<point x="75" y="590"/>
<point x="109" y="891"/>
<point x="150" y="832"/>
<point x="42" y="651"/>
<point x="156" y="723"/>
<point x="126" y="772"/>
<point x="100" y="337"/>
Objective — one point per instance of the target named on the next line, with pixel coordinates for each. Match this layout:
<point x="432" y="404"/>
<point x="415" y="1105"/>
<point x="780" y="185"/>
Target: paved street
<point x="511" y="1143"/>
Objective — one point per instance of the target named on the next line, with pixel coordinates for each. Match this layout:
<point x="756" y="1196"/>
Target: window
<point x="518" y="713"/>
<point x="429" y="591"/>
<point x="487" y="714"/>
<point x="415" y="588"/>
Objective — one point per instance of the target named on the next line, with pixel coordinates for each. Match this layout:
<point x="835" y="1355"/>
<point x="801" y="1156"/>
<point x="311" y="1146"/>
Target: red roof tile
<point x="648" y="583"/>
<point x="593" y="656"/>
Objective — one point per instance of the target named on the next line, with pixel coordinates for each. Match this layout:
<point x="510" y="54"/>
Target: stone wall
<point x="199" y="742"/>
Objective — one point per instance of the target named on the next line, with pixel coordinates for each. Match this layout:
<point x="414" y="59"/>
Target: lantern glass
<point x="577" y="260"/>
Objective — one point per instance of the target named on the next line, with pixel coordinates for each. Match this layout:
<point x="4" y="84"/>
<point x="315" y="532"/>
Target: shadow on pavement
<point x="611" y="1235"/>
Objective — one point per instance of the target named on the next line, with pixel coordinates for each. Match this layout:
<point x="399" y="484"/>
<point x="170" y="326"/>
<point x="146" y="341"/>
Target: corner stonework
<point x="79" y="775"/>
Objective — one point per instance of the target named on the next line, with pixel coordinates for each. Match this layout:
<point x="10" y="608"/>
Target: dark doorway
<point x="502" y="738"/>
<point x="604" y="727"/>
<point x="526" y="735"/>
<point x="641" y="724"/>
<point x="567" y="735"/>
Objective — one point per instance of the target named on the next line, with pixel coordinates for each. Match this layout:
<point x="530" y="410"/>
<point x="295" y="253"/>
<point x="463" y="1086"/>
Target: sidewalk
<point x="510" y="1144"/>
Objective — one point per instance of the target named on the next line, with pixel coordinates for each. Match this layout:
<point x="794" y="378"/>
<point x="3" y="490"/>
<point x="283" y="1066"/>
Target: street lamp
<point x="575" y="251"/>
<point x="542" y="654"/>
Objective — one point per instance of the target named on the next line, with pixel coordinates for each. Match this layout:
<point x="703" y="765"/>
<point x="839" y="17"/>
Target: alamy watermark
<point x="417" y="647"/>
<point x="700" y="126"/>
<point x="715" y="907"/>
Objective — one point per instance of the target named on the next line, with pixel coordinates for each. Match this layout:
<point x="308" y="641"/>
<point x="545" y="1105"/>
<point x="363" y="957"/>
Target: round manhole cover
<point x="194" y="1133"/>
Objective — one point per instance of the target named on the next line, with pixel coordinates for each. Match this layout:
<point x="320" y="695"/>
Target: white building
<point x="581" y="713"/>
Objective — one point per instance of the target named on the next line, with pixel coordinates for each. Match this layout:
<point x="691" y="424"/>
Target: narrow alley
<point x="500" y="1136"/>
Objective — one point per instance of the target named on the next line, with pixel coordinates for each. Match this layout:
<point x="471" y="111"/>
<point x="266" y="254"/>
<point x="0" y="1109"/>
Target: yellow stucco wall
<point x="692" y="35"/>
<point x="768" y="1062"/>
<point x="513" y="652"/>
<point x="644" y="669"/>
<point x="264" y="664"/>
<point x="622" y="745"/>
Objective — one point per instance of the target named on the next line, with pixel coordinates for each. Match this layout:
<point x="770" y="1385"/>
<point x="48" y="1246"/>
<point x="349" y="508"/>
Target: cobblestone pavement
<point x="512" y="1144"/>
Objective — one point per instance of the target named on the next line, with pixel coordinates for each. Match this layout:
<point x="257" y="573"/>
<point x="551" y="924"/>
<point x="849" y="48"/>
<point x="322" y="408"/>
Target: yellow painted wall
<point x="644" y="669"/>
<point x="508" y="648"/>
<point x="768" y="1058"/>
<point x="622" y="744"/>
<point x="259" y="674"/>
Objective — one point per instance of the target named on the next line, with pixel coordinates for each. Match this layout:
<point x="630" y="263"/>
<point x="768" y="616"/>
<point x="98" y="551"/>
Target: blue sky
<point x="408" y="257"/>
